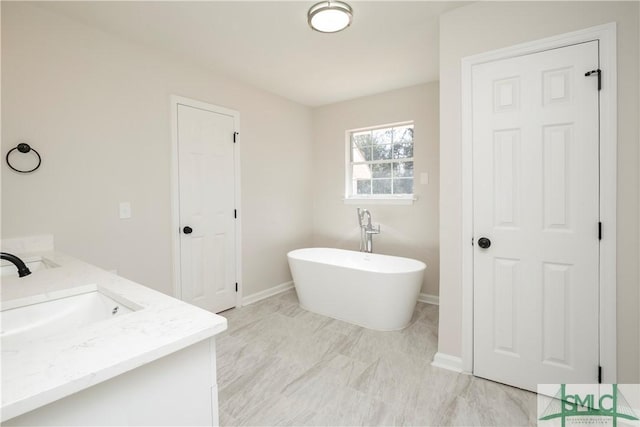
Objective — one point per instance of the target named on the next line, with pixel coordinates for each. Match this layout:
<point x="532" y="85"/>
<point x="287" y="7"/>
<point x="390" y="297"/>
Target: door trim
<point x="606" y="35"/>
<point x="175" y="191"/>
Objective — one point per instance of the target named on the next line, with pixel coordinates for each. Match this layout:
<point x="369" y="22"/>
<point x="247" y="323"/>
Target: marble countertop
<point x="49" y="369"/>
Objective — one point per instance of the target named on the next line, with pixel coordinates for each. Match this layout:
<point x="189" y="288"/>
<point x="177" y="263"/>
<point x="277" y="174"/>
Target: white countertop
<point x="49" y="369"/>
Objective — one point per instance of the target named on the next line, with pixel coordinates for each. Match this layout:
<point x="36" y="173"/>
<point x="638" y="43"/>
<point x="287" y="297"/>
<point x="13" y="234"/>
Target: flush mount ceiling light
<point x="330" y="16"/>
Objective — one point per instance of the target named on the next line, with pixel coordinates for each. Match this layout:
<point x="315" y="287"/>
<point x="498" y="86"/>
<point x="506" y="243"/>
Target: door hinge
<point x="472" y="240"/>
<point x="599" y="374"/>
<point x="597" y="72"/>
<point x="235" y="213"/>
<point x="235" y="135"/>
<point x="600" y="231"/>
<point x="236" y="286"/>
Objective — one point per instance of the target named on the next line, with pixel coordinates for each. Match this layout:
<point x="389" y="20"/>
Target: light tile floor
<point x="281" y="365"/>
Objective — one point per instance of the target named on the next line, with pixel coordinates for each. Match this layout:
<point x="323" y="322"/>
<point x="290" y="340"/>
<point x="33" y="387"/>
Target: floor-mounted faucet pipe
<point x="367" y="230"/>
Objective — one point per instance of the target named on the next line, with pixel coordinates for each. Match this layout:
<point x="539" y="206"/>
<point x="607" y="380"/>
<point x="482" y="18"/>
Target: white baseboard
<point x="284" y="287"/>
<point x="446" y="361"/>
<point x="278" y="289"/>
<point x="429" y="299"/>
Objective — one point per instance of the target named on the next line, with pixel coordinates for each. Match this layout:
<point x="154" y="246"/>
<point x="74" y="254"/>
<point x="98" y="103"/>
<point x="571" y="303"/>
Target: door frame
<point x="176" y="100"/>
<point x="606" y="35"/>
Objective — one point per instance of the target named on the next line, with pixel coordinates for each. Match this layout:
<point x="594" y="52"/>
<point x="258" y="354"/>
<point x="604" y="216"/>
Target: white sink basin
<point x="34" y="264"/>
<point x="28" y="323"/>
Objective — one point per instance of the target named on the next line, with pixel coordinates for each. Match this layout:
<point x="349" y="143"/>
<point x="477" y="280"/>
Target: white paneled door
<point x="206" y="168"/>
<point x="536" y="218"/>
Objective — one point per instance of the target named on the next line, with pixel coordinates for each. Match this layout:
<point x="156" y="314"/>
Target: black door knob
<point x="484" y="243"/>
<point x="187" y="230"/>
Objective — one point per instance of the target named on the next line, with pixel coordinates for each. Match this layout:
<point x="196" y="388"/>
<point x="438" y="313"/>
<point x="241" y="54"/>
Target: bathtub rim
<point x="420" y="265"/>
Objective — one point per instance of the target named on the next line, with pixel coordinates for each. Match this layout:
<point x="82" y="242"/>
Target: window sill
<point x="408" y="200"/>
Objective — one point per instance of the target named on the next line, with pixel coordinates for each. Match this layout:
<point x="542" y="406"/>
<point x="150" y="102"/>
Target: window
<point x="380" y="163"/>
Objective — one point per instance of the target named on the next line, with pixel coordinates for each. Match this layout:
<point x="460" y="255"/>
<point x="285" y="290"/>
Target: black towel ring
<point x="23" y="147"/>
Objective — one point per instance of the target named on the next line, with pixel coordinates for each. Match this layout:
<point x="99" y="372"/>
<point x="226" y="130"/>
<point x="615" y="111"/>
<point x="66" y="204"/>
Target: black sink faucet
<point x="23" y="270"/>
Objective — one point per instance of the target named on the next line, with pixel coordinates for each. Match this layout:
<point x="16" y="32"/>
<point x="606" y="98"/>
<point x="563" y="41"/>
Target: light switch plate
<point x="125" y="210"/>
<point x="424" y="178"/>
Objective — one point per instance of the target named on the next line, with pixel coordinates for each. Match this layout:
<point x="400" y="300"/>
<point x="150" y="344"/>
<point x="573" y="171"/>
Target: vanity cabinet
<point x="176" y="390"/>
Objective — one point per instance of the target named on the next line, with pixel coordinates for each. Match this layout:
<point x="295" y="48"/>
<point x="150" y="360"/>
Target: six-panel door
<point x="207" y="203"/>
<point x="536" y="197"/>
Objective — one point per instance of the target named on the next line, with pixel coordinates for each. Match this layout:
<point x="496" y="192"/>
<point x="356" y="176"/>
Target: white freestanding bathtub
<point x="371" y="290"/>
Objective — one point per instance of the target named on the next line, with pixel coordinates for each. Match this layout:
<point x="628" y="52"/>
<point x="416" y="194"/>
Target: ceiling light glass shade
<point x="330" y="16"/>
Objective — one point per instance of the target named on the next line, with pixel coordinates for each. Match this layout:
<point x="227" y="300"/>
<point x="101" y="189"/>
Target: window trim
<point x="382" y="199"/>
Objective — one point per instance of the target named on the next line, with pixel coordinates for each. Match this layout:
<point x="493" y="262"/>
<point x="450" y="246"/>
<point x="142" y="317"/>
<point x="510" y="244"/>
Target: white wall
<point x="410" y="231"/>
<point x="486" y="26"/>
<point x="97" y="109"/>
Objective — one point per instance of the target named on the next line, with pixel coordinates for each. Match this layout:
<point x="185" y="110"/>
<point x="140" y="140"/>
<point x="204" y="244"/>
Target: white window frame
<point x="382" y="199"/>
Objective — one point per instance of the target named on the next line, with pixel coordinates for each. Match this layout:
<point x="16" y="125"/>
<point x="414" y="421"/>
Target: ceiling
<point x="269" y="44"/>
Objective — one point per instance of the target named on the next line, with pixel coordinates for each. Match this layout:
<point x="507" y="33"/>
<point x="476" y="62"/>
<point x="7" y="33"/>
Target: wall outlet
<point x="125" y="210"/>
